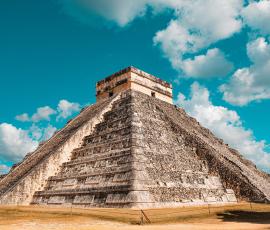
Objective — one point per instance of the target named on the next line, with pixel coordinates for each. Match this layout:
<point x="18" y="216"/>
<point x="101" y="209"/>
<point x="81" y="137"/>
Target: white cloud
<point x="225" y="124"/>
<point x="212" y="64"/>
<point x="48" y="132"/>
<point x="66" y="108"/>
<point x="174" y="41"/>
<point x="198" y="24"/>
<point x="195" y="24"/>
<point x="119" y="11"/>
<point x="23" y="117"/>
<point x="35" y="132"/>
<point x="251" y="83"/>
<point x="43" y="113"/>
<point x="4" y="169"/>
<point x="15" y="143"/>
<point x="257" y="16"/>
<point x="122" y="12"/>
<point x="41" y="133"/>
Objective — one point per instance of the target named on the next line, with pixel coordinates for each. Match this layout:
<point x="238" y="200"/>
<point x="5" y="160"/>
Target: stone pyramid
<point x="133" y="148"/>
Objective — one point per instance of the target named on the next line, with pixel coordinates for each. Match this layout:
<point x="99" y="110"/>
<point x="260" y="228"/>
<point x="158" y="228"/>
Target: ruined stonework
<point x="133" y="150"/>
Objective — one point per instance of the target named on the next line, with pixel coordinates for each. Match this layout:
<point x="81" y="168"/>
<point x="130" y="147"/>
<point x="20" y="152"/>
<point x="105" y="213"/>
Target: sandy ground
<point x="26" y="218"/>
<point x="93" y="224"/>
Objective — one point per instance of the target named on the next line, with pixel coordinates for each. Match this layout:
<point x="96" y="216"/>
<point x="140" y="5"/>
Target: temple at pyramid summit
<point x="133" y="148"/>
<point x="136" y="80"/>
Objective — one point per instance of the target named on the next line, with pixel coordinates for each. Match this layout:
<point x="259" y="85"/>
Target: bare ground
<point x="241" y="216"/>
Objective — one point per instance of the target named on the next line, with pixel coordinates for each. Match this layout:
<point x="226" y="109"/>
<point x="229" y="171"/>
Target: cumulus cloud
<point x="194" y="29"/>
<point x="225" y="124"/>
<point x="257" y="16"/>
<point x="251" y="83"/>
<point x="48" y="132"/>
<point x="43" y="113"/>
<point x="119" y="11"/>
<point x="41" y="133"/>
<point x="66" y="108"/>
<point x="15" y="143"/>
<point x="195" y="24"/>
<point x="23" y="117"/>
<point x="35" y="132"/>
<point x="122" y="12"/>
<point x="212" y="64"/>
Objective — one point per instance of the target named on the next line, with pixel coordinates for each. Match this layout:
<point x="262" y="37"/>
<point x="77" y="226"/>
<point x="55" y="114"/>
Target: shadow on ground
<point x="246" y="216"/>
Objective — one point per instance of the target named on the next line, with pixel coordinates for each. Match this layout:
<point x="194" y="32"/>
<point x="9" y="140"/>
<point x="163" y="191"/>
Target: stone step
<point x="76" y="159"/>
<point x="81" y="169"/>
<point x="112" y="123"/>
<point x="118" y="109"/>
<point x="103" y="189"/>
<point x="182" y="194"/>
<point x="116" y="133"/>
<point x="125" y="142"/>
<point x="105" y="172"/>
<point x="100" y="180"/>
<point x="102" y="163"/>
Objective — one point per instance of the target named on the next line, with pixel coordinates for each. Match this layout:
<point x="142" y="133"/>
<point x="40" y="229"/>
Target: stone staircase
<point x="101" y="167"/>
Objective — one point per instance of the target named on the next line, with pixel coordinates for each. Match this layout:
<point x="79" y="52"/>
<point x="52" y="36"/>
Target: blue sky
<point x="53" y="52"/>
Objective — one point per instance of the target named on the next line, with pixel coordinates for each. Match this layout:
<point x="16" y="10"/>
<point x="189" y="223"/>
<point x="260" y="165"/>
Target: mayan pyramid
<point x="133" y="148"/>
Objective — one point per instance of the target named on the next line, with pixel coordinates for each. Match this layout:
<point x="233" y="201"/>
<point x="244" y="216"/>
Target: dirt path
<point x="80" y="224"/>
<point x="35" y="218"/>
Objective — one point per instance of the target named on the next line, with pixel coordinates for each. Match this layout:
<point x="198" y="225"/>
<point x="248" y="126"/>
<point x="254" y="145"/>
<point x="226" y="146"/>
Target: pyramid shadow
<point x="245" y="216"/>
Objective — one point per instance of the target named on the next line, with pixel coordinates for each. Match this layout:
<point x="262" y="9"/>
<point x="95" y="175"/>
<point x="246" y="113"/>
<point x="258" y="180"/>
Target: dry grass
<point x="240" y="216"/>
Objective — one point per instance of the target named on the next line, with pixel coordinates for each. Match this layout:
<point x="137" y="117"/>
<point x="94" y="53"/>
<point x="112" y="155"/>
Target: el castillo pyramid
<point x="133" y="148"/>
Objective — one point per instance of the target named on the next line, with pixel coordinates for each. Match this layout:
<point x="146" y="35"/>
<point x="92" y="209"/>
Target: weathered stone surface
<point x="2" y="176"/>
<point x="139" y="152"/>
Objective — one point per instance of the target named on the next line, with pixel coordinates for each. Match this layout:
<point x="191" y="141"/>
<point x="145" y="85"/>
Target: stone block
<point x="231" y="197"/>
<point x="83" y="199"/>
<point x="56" y="200"/>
